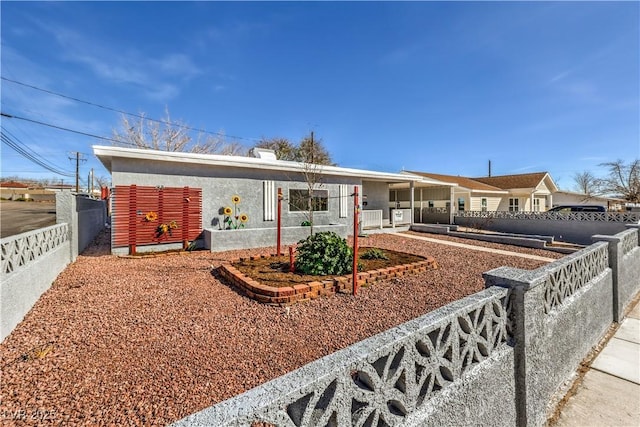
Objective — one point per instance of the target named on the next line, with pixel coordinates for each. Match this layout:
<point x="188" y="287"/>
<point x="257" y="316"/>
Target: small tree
<point x="586" y="183"/>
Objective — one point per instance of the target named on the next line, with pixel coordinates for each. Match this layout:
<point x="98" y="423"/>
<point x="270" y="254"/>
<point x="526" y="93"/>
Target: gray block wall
<point x="624" y="258"/>
<point x="30" y="263"/>
<point x="559" y="313"/>
<point x="86" y="216"/>
<point x="224" y="240"/>
<point x="565" y="230"/>
<point x="450" y="367"/>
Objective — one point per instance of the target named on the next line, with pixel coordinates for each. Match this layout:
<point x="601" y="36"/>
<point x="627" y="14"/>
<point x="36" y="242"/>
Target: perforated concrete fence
<point x="438" y="366"/>
<point x="498" y="357"/>
<point x="573" y="227"/>
<point x="30" y="263"/>
<point x="624" y="257"/>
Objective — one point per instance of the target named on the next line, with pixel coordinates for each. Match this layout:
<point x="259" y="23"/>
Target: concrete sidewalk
<point x="609" y="393"/>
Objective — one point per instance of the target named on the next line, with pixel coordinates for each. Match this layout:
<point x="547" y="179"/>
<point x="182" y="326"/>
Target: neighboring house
<point x="217" y="178"/>
<point x="572" y="198"/>
<point x="12" y="190"/>
<point x="532" y="192"/>
<point x="529" y="192"/>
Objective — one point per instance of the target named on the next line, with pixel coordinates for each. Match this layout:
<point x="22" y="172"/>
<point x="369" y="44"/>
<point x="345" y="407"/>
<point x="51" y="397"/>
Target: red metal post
<point x="356" y="211"/>
<point x="279" y="227"/>
<point x="292" y="266"/>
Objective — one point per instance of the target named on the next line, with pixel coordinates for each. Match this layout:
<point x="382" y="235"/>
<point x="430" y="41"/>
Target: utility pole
<point x="313" y="149"/>
<point x="78" y="154"/>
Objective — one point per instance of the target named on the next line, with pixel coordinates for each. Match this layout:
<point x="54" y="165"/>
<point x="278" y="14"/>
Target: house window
<point x="483" y="204"/>
<point x="299" y="200"/>
<point x="430" y="203"/>
<point x="461" y="204"/>
<point x="513" y="204"/>
<point x="536" y="205"/>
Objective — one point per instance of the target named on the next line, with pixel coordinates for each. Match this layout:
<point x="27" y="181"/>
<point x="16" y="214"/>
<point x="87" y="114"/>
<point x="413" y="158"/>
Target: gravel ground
<point x="147" y="341"/>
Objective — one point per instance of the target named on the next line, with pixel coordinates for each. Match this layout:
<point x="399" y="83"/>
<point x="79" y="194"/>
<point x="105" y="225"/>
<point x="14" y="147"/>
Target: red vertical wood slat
<point x="161" y="219"/>
<point x="133" y="217"/>
<point x="186" y="204"/>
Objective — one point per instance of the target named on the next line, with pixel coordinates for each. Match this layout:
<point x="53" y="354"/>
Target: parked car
<point x="578" y="208"/>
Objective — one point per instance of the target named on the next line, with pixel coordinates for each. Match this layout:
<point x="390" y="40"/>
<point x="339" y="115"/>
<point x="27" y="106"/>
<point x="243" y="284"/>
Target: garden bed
<point x="268" y="278"/>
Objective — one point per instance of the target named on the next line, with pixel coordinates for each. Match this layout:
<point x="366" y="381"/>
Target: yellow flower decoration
<point x="173" y="224"/>
<point x="235" y="199"/>
<point x="244" y="218"/>
<point x="227" y="211"/>
<point x="151" y="216"/>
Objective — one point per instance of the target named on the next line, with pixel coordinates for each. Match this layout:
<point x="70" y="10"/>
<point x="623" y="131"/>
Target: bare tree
<point x="171" y="135"/>
<point x="312" y="150"/>
<point x="586" y="183"/>
<point x="623" y="180"/>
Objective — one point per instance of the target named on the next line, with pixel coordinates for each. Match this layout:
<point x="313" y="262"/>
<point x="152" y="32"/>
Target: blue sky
<point x="431" y="86"/>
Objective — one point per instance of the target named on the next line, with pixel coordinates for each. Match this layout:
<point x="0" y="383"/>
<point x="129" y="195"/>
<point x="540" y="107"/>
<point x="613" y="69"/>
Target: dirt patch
<point x="274" y="271"/>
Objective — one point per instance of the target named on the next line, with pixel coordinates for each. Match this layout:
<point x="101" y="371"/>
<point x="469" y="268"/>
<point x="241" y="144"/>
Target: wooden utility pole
<point x="78" y="154"/>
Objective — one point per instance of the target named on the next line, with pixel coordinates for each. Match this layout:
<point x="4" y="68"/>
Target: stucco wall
<point x="219" y="185"/>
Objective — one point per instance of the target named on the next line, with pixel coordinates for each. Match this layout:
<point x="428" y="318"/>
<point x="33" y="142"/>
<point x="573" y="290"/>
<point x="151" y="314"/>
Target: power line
<point x="24" y="151"/>
<point x="140" y="116"/>
<point x="66" y="129"/>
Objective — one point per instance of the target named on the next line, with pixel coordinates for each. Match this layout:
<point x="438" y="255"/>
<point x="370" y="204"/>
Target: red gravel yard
<point x="147" y="341"/>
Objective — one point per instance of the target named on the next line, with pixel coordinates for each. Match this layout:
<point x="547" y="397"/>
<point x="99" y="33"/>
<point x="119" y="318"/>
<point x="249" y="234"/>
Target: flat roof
<point x="107" y="153"/>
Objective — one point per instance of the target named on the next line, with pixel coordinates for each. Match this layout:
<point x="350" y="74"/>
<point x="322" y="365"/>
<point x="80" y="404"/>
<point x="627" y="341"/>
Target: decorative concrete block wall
<point x="558" y="313"/>
<point x="452" y="366"/>
<point x="624" y="258"/>
<point x="30" y="263"/>
<point x="575" y="227"/>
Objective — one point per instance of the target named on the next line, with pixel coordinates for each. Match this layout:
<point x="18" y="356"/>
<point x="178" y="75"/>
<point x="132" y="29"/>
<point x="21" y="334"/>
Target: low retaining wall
<point x="538" y="242"/>
<point x="30" y="263"/>
<point x="499" y="357"/>
<point x="305" y="292"/>
<point x="576" y="227"/>
<point x="439" y="366"/>
<point x="246" y="238"/>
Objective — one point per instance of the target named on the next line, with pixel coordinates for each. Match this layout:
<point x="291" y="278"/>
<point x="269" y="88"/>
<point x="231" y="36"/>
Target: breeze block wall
<point x="558" y="313"/>
<point x="31" y="262"/>
<point x="624" y="258"/>
<point x="452" y="366"/>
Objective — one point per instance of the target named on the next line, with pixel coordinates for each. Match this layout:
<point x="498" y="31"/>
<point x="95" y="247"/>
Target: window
<point x="299" y="200"/>
<point x="430" y="203"/>
<point x="513" y="204"/>
<point x="483" y="204"/>
<point x="536" y="205"/>
<point x="461" y="203"/>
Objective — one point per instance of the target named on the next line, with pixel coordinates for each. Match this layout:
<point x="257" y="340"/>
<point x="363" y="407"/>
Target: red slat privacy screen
<point x="139" y="211"/>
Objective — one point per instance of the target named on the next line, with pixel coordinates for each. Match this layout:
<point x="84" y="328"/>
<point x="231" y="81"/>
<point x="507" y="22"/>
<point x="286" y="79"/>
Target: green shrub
<point x="374" y="253"/>
<point x="324" y="253"/>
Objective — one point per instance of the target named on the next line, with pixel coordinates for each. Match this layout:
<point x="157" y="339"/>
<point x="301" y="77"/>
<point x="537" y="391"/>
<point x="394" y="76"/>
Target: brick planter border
<point x="299" y="293"/>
